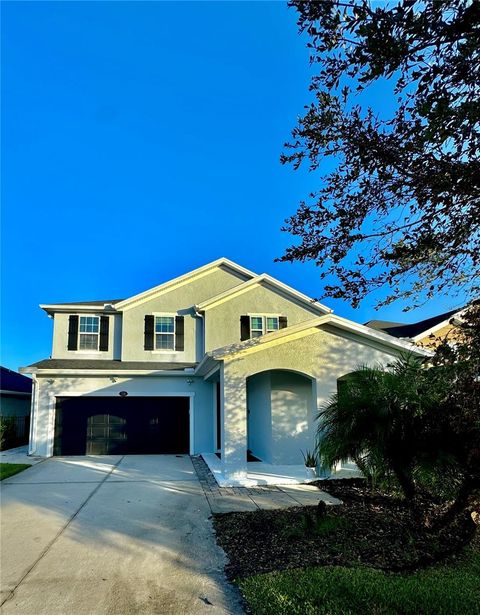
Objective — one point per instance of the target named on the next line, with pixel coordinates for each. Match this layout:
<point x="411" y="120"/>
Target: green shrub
<point x="310" y="524"/>
<point x="7" y="432"/>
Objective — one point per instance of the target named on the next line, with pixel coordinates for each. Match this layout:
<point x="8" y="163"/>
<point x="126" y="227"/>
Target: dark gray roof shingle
<point x="105" y="302"/>
<point x="398" y="329"/>
<point x="12" y="381"/>
<point x="104" y="364"/>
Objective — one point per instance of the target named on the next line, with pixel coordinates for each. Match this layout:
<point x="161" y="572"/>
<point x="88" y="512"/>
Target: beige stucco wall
<point x="60" y="339"/>
<point x="126" y="333"/>
<point x="293" y="417"/>
<point x="322" y="355"/>
<point x="176" y="301"/>
<point x="222" y="322"/>
<point x="448" y="331"/>
<point x="260" y="416"/>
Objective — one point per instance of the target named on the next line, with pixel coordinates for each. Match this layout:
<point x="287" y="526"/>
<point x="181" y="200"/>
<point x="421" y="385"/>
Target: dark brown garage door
<point x="115" y="425"/>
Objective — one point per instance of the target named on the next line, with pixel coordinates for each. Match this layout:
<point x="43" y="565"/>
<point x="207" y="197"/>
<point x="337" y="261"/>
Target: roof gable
<point x="309" y="327"/>
<point x="268" y="281"/>
<point x="184" y="279"/>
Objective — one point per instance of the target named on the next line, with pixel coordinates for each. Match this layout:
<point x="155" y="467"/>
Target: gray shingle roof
<point x="104" y="364"/>
<point x="104" y="302"/>
<point x="398" y="329"/>
<point x="12" y="381"/>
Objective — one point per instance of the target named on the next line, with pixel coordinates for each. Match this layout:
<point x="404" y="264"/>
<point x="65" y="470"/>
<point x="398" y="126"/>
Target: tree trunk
<point x="470" y="484"/>
<point x="405" y="480"/>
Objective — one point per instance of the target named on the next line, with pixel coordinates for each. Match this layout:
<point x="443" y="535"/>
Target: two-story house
<point x="220" y="362"/>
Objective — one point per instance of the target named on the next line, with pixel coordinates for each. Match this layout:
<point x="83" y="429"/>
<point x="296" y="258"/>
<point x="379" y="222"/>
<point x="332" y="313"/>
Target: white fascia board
<point x="78" y="309"/>
<point x="308" y="327"/>
<point x="181" y="280"/>
<point x="105" y="372"/>
<point x="206" y="365"/>
<point x="437" y="327"/>
<point x="257" y="281"/>
<point x="367" y="332"/>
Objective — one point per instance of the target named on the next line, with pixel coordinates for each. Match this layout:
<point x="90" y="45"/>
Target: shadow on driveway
<point x="111" y="535"/>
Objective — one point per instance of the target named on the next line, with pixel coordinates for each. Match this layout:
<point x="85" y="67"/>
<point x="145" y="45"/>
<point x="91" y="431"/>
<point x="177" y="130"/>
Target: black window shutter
<point x="282" y="322"/>
<point x="72" y="332"/>
<point x="244" y="328"/>
<point x="104" y="326"/>
<point x="179" y="333"/>
<point x="149" y="332"/>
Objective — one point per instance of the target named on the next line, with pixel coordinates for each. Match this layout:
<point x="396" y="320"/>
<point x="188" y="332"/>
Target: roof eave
<point x="104" y="372"/>
<point x="65" y="308"/>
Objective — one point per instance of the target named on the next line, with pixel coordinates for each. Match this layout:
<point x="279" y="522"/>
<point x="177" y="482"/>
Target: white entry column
<point x="233" y="389"/>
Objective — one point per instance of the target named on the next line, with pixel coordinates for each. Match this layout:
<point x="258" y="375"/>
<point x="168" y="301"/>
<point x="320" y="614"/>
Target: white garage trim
<point x="52" y="405"/>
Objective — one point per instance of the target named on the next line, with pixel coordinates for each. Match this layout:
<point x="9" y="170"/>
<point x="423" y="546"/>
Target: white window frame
<point x="174" y="334"/>
<point x="88" y="350"/>
<point x="264" y="318"/>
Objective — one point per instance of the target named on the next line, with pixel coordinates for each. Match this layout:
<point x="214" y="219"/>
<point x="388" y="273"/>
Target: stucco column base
<point x="235" y="473"/>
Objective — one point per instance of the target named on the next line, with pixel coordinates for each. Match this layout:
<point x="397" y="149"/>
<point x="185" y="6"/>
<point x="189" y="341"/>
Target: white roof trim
<point x="257" y="281"/>
<point x="183" y="279"/>
<point x="78" y="307"/>
<point x="328" y="319"/>
<point x="104" y="372"/>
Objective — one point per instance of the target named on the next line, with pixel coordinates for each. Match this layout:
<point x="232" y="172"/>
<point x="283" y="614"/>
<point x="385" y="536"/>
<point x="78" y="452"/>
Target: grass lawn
<point x="9" y="469"/>
<point x="446" y="589"/>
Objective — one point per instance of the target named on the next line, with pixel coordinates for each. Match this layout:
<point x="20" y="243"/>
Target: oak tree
<point x="398" y="197"/>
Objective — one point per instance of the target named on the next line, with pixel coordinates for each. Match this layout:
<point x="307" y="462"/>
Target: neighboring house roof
<point x="105" y="365"/>
<point x="412" y="330"/>
<point x="14" y="382"/>
<point x="184" y="279"/>
<point x="266" y="280"/>
<point x="305" y="328"/>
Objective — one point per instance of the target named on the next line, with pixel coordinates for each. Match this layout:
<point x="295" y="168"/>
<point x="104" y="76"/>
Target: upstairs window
<point x="164" y="333"/>
<point x="259" y="325"/>
<point x="256" y="326"/>
<point x="89" y="333"/>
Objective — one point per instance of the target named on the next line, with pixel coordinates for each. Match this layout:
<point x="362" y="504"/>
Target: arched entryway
<point x="281" y="408"/>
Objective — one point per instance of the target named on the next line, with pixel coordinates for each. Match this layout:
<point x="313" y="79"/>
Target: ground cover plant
<point x="371" y="554"/>
<point x="9" y="469"/>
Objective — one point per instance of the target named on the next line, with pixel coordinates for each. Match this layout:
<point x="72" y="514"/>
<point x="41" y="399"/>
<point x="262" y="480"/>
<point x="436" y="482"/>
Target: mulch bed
<point x="370" y="528"/>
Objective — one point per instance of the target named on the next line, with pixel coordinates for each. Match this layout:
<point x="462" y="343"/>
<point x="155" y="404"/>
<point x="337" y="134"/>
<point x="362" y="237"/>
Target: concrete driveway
<point x="110" y="535"/>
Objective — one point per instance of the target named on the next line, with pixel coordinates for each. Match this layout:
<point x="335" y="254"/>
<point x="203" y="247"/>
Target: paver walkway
<point x="268" y="497"/>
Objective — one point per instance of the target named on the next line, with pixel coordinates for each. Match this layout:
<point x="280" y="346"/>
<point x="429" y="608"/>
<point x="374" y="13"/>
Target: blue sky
<point x="141" y="140"/>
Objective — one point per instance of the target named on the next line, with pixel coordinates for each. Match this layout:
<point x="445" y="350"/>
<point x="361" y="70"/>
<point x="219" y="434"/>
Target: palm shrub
<point x="413" y="423"/>
<point x="377" y="418"/>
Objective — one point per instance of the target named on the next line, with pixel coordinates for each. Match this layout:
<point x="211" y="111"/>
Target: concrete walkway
<point x="19" y="455"/>
<point x="110" y="536"/>
<point x="241" y="499"/>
